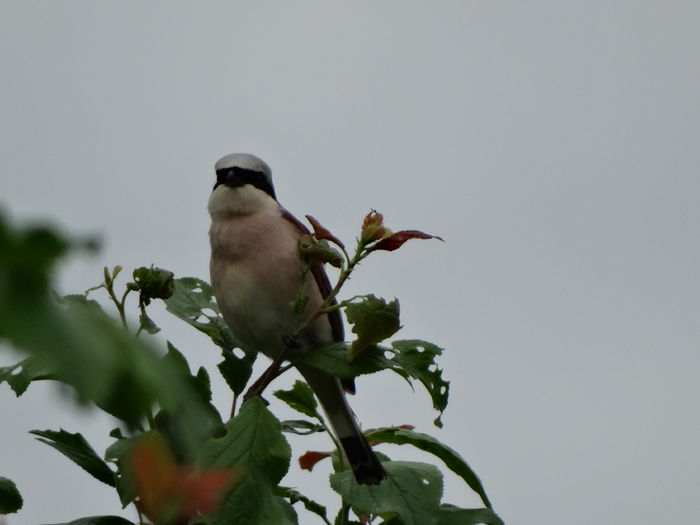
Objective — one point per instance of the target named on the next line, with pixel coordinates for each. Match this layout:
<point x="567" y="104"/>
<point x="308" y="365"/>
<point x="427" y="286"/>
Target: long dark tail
<point x="364" y="463"/>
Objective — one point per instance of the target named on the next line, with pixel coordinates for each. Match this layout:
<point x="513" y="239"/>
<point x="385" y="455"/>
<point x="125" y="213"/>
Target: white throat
<point x="245" y="200"/>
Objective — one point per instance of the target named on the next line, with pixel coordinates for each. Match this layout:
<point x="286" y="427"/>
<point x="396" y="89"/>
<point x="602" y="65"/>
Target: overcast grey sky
<point x="554" y="145"/>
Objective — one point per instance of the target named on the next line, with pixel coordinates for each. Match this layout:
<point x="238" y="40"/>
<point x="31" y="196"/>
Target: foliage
<point x="175" y="456"/>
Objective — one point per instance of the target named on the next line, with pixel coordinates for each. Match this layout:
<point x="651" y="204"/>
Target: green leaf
<point x="78" y="450"/>
<point x="236" y="371"/>
<point x="290" y="515"/>
<point x="416" y="359"/>
<point x="294" y="496"/>
<point x="152" y="283"/>
<point x="412" y="490"/>
<point x="193" y="302"/>
<point x="255" y="449"/>
<point x="301" y="427"/>
<point x="301" y="398"/>
<point x="411" y="359"/>
<point x="455" y="462"/>
<point x="20" y="375"/>
<point x="373" y="320"/>
<point x="10" y="498"/>
<point x="99" y="520"/>
<point x="451" y="515"/>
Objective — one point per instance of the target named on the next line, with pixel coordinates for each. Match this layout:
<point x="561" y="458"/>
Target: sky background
<point x="554" y="145"/>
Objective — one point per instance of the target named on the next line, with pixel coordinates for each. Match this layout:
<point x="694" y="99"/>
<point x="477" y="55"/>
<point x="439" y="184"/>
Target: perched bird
<point x="255" y="273"/>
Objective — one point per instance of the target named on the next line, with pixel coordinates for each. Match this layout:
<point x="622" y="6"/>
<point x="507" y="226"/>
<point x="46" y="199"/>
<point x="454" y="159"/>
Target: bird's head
<point x="243" y="185"/>
<point x="238" y="169"/>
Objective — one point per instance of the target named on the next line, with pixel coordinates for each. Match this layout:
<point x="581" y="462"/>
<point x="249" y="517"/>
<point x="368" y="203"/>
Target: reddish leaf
<point x="396" y="240"/>
<point x="308" y="460"/>
<point x="202" y="490"/>
<point x="323" y="233"/>
<point x="167" y="491"/>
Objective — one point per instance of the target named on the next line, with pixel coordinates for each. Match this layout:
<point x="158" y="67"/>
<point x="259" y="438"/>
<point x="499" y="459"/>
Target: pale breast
<point x="255" y="269"/>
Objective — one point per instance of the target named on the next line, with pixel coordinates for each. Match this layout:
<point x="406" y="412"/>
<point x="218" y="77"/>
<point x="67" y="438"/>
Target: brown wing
<point x="324" y="286"/>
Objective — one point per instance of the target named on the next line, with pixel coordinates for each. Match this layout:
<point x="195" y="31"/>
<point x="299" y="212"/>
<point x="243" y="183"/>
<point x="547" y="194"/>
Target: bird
<point x="255" y="271"/>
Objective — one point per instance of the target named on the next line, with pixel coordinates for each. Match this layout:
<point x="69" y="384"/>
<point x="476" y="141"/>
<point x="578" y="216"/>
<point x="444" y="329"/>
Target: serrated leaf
<point x="294" y="496"/>
<point x="412" y="490"/>
<point x="99" y="520"/>
<point x="411" y="359"/>
<point x="255" y="448"/>
<point x="373" y="320"/>
<point x="20" y="375"/>
<point x="455" y="462"/>
<point x="79" y="451"/>
<point x="451" y="515"/>
<point x="301" y="398"/>
<point x="301" y="427"/>
<point x="416" y="359"/>
<point x="193" y="302"/>
<point x="10" y="498"/>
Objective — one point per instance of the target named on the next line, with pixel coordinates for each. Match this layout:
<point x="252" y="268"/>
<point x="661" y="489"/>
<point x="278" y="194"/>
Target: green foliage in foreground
<point x="175" y="456"/>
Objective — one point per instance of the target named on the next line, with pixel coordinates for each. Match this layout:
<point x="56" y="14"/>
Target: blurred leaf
<point x="301" y="427"/>
<point x="451" y="515"/>
<point x="322" y="233"/>
<point x="373" y="320"/>
<point x="301" y="398"/>
<point x="290" y="515"/>
<point x="411" y="359"/>
<point x="169" y="492"/>
<point x="147" y="324"/>
<point x="152" y="283"/>
<point x="78" y="450"/>
<point x="255" y="448"/>
<point x="412" y="490"/>
<point x="20" y="375"/>
<point x="10" y="498"/>
<point x="455" y="462"/>
<point x="99" y="520"/>
<point x="295" y="496"/>
<point x="396" y="240"/>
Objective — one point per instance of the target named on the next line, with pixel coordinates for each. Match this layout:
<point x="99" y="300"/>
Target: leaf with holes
<point x="20" y="375"/>
<point x="193" y="302"/>
<point x="373" y="320"/>
<point x="412" y="490"/>
<point x="411" y="359"/>
<point x="455" y="462"/>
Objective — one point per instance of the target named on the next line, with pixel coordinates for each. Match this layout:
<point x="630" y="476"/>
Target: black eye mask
<point x="236" y="177"/>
